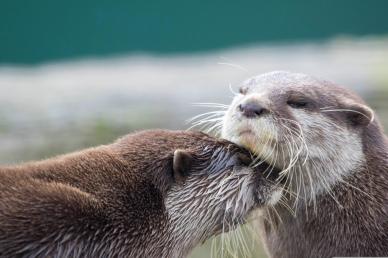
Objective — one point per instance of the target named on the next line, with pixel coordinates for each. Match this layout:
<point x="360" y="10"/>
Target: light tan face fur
<point x="257" y="135"/>
<point x="315" y="145"/>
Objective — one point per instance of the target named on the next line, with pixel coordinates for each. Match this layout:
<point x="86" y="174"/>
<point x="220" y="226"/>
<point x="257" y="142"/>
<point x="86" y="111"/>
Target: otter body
<point x="334" y="157"/>
<point x="150" y="194"/>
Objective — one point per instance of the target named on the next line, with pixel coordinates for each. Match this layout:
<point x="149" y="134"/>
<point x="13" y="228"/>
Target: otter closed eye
<point x="297" y="103"/>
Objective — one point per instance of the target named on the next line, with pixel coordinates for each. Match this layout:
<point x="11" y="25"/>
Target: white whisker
<point x="350" y="110"/>
<point x="228" y="63"/>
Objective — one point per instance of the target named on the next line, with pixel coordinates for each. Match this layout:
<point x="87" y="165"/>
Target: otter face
<point x="309" y="128"/>
<point x="216" y="191"/>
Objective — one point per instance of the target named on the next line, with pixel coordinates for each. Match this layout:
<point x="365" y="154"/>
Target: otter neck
<point x="313" y="178"/>
<point x="326" y="176"/>
<point x="185" y="230"/>
<point x="344" y="218"/>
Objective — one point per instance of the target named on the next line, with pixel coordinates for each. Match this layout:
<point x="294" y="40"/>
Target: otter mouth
<point x="246" y="132"/>
<point x="248" y="139"/>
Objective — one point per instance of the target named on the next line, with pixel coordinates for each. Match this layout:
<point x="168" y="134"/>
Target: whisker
<point x="209" y="104"/>
<point x="228" y="63"/>
<point x="206" y="115"/>
<point x="231" y="90"/>
<point x="207" y="121"/>
<point x="350" y="110"/>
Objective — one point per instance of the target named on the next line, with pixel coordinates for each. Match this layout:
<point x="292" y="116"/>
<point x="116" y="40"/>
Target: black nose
<point x="252" y="109"/>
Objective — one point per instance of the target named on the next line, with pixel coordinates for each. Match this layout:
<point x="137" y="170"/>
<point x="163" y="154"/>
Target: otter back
<point x="123" y="199"/>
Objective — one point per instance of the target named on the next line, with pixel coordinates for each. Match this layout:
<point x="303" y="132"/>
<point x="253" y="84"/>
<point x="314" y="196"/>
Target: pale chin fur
<point x="319" y="154"/>
<point x="233" y="129"/>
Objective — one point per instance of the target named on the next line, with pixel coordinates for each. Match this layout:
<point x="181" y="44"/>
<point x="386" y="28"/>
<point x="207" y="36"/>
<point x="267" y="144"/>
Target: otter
<point x="333" y="154"/>
<point x="154" y="193"/>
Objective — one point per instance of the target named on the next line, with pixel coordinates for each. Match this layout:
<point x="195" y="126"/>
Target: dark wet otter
<point x="150" y="194"/>
<point x="335" y="159"/>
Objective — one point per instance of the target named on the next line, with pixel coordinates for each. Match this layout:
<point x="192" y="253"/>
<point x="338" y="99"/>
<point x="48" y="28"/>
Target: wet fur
<point x="122" y="200"/>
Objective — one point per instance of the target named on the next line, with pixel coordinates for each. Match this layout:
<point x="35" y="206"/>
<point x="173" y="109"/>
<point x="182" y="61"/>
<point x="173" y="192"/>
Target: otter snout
<point x="252" y="109"/>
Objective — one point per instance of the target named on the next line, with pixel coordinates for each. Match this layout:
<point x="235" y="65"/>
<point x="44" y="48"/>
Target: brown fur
<point x="358" y="228"/>
<point x="102" y="202"/>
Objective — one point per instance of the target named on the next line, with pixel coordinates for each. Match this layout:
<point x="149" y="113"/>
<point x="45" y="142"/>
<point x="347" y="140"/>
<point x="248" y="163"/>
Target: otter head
<point x="311" y="129"/>
<point x="206" y="185"/>
<point x="215" y="190"/>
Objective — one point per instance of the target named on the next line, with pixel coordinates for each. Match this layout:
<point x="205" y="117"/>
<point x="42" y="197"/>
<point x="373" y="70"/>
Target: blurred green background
<point x="74" y="74"/>
<point x="36" y="31"/>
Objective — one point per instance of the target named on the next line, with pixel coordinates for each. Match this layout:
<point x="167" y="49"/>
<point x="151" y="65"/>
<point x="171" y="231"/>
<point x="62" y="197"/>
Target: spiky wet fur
<point x="121" y="200"/>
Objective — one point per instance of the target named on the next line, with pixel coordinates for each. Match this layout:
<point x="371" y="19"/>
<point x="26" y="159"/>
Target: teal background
<point x="45" y="30"/>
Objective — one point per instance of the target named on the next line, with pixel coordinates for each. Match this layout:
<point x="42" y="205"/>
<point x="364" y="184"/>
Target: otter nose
<point x="252" y="109"/>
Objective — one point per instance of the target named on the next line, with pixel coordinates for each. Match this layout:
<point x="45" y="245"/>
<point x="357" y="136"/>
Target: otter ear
<point x="359" y="114"/>
<point x="181" y="165"/>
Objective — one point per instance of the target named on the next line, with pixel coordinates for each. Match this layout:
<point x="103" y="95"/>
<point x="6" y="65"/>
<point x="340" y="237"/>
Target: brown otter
<point x="150" y="194"/>
<point x="334" y="156"/>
